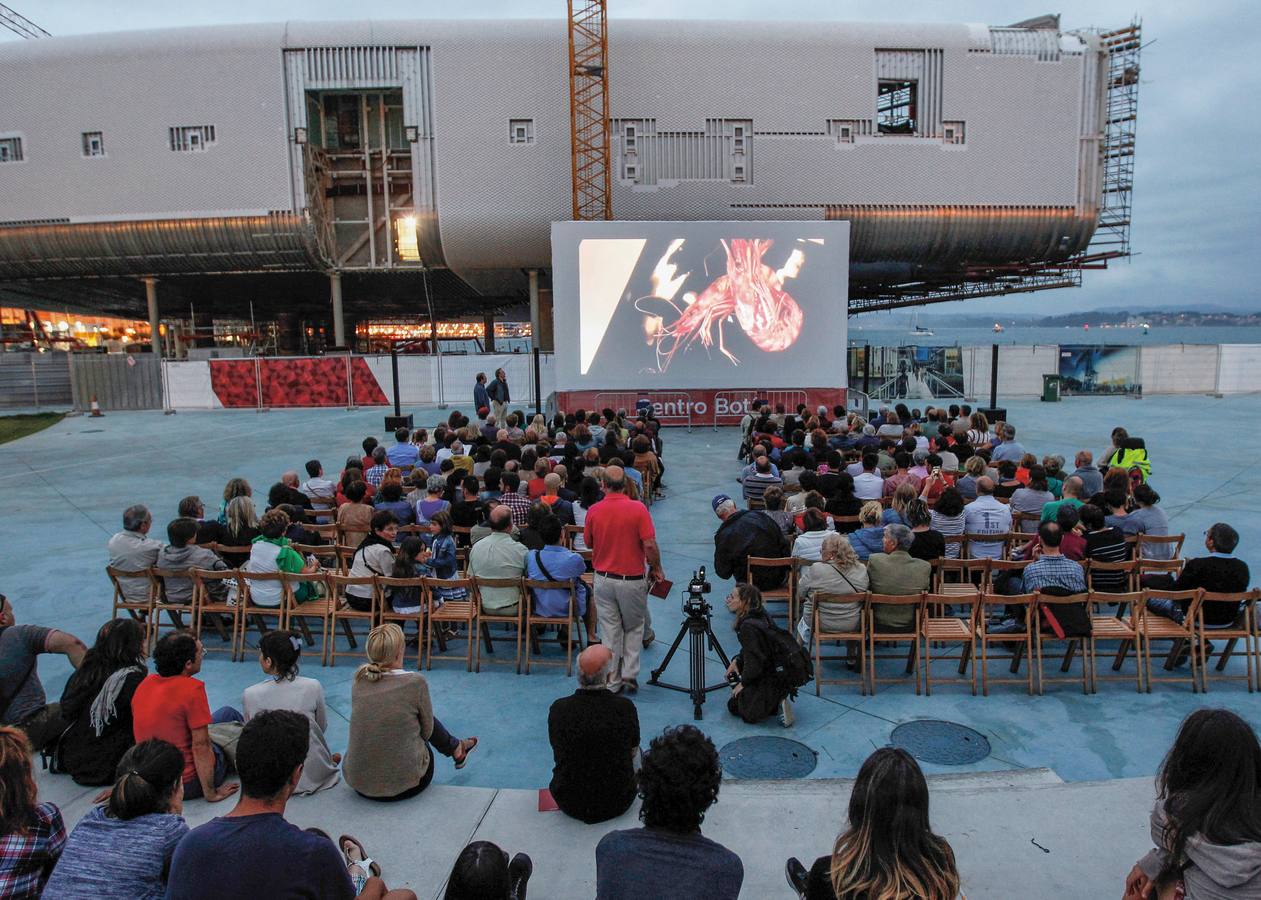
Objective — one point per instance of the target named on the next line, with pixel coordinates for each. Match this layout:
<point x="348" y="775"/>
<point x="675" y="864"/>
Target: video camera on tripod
<point x="694" y="603"/>
<point x="696" y="628"/>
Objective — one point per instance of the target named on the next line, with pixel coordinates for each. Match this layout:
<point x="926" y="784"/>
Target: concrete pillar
<point x="547" y="342"/>
<point x="488" y="324"/>
<point x="339" y="320"/>
<point x="534" y="308"/>
<point x="151" y="295"/>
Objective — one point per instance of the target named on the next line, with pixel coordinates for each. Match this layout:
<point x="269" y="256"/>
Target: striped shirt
<point x="948" y="526"/>
<point x="135" y="852"/>
<point x="1107" y="545"/>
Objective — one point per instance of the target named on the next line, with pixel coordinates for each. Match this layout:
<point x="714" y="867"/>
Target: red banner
<point x="294" y="382"/>
<point x="702" y="406"/>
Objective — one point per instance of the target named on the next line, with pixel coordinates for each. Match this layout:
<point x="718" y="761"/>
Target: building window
<point x="628" y="141"/>
<point x="737" y="139"/>
<point x="520" y="131"/>
<point x="93" y="144"/>
<point x="630" y="172"/>
<point x="737" y="175"/>
<point x="191" y="138"/>
<point x="896" y="107"/>
<point x="10" y="149"/>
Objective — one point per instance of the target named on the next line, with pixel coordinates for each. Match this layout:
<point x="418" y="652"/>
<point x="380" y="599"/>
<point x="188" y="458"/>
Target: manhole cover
<point x="945" y="743"/>
<point x="767" y="757"/>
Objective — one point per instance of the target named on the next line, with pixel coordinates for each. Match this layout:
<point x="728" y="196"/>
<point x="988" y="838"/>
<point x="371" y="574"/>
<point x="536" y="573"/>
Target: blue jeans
<point x="192" y="788"/>
<point x="1170" y="609"/>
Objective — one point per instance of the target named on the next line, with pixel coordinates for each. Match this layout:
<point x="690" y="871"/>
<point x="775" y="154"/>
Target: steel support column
<point x="339" y="319"/>
<point x="151" y="295"/>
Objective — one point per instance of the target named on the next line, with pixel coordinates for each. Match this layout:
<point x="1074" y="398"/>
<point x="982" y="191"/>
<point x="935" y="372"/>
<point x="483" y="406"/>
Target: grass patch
<point x="14" y="427"/>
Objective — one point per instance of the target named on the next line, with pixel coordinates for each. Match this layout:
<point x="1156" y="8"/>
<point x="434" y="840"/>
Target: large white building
<point x="251" y="162"/>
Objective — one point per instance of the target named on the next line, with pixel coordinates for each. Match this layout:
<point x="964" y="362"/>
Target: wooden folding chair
<point x="327" y="531"/>
<point x="317" y="606"/>
<point x="324" y="554"/>
<point x="987" y="540"/>
<point x="463" y="535"/>
<point x="345" y="554"/>
<point x="386" y="613"/>
<point x="1143" y="567"/>
<point x="228" y="608"/>
<point x="570" y="533"/>
<point x="956" y="541"/>
<point x="1043" y="633"/>
<point x="1243" y="628"/>
<point x="1115" y="626"/>
<point x="485" y="620"/>
<point x="818" y="636"/>
<point x="1153" y="627"/>
<point x="260" y="614"/>
<point x="969" y="576"/>
<point x="755" y="503"/>
<point x="1000" y="567"/>
<point x="1020" y="641"/>
<point x="346" y="615"/>
<point x="1024" y="523"/>
<point x="845" y="524"/>
<point x="783" y="594"/>
<point x="1148" y="541"/>
<point x="950" y="629"/>
<point x="877" y="633"/>
<point x="1110" y="573"/>
<point x="140" y="610"/>
<point x="174" y="611"/>
<point x="454" y="611"/>
<point x="572" y="624"/>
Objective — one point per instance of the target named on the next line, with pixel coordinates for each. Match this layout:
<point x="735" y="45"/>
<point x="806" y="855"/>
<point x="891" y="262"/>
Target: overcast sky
<point x="1197" y="195"/>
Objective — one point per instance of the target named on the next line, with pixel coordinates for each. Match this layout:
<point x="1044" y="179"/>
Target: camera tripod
<point x="699" y="632"/>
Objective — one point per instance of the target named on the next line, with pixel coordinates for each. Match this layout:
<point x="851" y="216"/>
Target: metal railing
<point x="730" y="406"/>
<point x="670" y="407"/>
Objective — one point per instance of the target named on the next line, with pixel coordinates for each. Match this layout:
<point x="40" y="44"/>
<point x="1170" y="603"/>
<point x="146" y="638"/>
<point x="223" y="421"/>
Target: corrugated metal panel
<point x="925" y="67"/>
<point x="118" y="381"/>
<point x="1042" y="43"/>
<point x="34" y="379"/>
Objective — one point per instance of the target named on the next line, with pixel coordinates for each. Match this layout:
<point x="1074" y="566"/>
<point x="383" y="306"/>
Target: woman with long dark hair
<point x="483" y="871"/>
<point x="757" y="692"/>
<point x="32" y="834"/>
<point x="124" y="848"/>
<point x="1207" y="821"/>
<point x="888" y="852"/>
<point x="97" y="703"/>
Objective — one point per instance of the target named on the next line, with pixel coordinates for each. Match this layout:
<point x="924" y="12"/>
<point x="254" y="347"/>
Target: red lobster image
<point x="751" y="291"/>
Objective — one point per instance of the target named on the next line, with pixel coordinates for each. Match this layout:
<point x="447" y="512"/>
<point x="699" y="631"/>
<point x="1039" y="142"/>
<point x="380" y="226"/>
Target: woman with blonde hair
<point x="889" y="851"/>
<point x="974" y="469"/>
<point x="839" y="572"/>
<point x="393" y="732"/>
<point x="979" y="433"/>
<point x="240" y="528"/>
<point x="32" y="834"/>
<point x="869" y="538"/>
<point x="903" y="495"/>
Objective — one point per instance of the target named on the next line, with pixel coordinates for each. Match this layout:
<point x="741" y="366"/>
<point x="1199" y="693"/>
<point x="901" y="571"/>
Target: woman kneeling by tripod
<point x="770" y="666"/>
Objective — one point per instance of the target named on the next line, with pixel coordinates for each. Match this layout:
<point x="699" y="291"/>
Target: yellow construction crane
<point x="589" y="109"/>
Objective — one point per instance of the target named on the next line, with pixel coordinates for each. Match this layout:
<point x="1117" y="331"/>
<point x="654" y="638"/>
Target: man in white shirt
<point x="869" y="485"/>
<point x="986" y="515"/>
<point x="132" y="550"/>
<point x="323" y="493"/>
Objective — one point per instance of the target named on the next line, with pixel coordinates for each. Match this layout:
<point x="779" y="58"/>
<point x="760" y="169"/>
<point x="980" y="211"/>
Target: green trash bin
<point x="1050" y="389"/>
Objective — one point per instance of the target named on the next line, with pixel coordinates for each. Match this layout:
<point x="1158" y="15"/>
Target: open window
<point x="10" y="149"/>
<point x="896" y="106"/>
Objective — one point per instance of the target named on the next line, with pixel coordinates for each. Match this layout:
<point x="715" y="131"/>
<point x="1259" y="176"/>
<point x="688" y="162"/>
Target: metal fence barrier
<point x="670" y="407"/>
<point x="730" y="406"/>
<point x="29" y="379"/>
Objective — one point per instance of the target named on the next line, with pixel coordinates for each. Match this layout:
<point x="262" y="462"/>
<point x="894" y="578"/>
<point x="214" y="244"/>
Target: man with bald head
<point x="498" y="555"/>
<point x="595" y="737"/>
<point x="986" y="515"/>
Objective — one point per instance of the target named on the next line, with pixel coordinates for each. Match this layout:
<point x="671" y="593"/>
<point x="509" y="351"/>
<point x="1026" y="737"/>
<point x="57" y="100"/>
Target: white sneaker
<point x="786" y="717"/>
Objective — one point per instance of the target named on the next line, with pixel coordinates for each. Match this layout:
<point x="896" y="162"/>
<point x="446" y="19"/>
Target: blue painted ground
<point x="62" y="493"/>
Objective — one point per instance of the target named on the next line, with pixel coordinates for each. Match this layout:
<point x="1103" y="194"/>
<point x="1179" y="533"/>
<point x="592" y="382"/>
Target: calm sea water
<point x="886" y="334"/>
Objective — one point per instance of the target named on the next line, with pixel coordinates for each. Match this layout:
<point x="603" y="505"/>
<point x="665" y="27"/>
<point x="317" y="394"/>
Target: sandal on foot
<point x="463" y="760"/>
<point x="365" y="862"/>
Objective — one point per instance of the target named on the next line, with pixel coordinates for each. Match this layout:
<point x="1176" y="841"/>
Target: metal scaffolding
<point x="19" y="24"/>
<point x="589" y="109"/>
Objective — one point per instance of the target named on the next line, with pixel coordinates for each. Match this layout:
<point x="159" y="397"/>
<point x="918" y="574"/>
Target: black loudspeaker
<point x="994" y="413"/>
<point x="395" y="422"/>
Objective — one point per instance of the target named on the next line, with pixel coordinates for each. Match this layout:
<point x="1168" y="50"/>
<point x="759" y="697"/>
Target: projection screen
<point x="649" y="305"/>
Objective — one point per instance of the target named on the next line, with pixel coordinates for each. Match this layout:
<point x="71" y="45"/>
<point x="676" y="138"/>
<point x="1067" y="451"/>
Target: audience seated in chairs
<point x="32" y="834"/>
<point x="594" y="735"/>
<point x="272" y="552"/>
<point x="132" y="550"/>
<point x="869" y="537"/>
<point x="393" y="731"/>
<point x="182" y="554"/>
<point x="744" y="533"/>
<point x="373" y="556"/>
<point x="889" y="848"/>
<point x="895" y="571"/>
<point x="678" y="781"/>
<point x="554" y="562"/>
<point x="239" y="530"/>
<point x="839" y="571"/>
<point x="25" y="706"/>
<point x="498" y="555"/>
<point x="1219" y="573"/>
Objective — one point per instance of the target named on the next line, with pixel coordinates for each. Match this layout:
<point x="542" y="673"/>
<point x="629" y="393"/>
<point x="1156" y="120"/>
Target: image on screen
<point x="698" y="305"/>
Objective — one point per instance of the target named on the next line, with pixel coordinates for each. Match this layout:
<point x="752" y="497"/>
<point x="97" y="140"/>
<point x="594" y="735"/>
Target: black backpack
<point x="793" y="667"/>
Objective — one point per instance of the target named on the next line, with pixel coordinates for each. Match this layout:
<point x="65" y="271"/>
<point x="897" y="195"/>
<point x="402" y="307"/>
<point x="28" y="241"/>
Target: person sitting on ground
<point x="678" y="781"/>
<point x="759" y="690"/>
<point x="594" y="735"/>
<point x="889" y="848"/>
<point x="132" y="550"/>
<point x="390" y="498"/>
<point x="182" y="554"/>
<point x="270" y="857"/>
<point x="1149" y="519"/>
<point x="404" y="453"/>
<point x="132" y="836"/>
<point x="1218" y="573"/>
<point x="744" y="533"/>
<point x="869" y="537"/>
<point x="32" y="834"/>
<point x="1033" y="499"/>
<point x="986" y="515"/>
<point x="97" y="703"/>
<point x="354" y="518"/>
<point x="483" y="871"/>
<point x="392" y="725"/>
<point x="498" y="555"/>
<point x="895" y="571"/>
<point x="284" y="688"/>
<point x="373" y="557"/>
<point x="554" y="562"/>
<point x="171" y="704"/>
<point x="1206" y="824"/>
<point x="272" y="552"/>
<point x="926" y="543"/>
<point x="839" y="571"/>
<point x="809" y="543"/>
<point x="21" y="694"/>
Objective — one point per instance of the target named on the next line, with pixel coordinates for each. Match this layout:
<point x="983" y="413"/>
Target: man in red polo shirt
<point x="623" y="544"/>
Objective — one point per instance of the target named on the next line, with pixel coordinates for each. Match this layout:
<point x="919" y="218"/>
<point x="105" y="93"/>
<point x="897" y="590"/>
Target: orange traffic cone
<point x="95" y="409"/>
